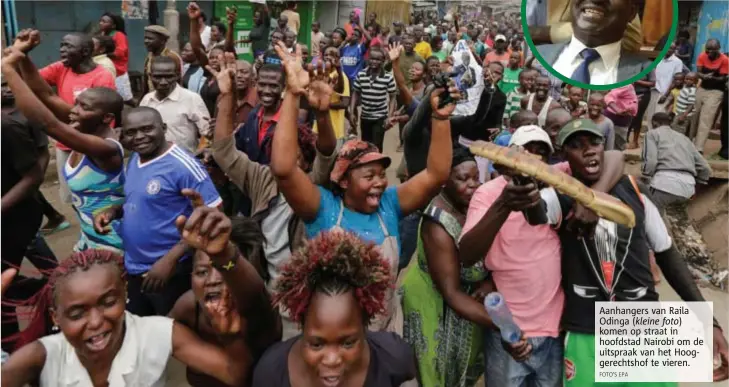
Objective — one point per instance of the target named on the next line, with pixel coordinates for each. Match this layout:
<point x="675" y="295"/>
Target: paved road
<point x="63" y="242"/>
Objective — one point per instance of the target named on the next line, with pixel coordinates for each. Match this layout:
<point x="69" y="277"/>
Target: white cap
<point x="530" y="133"/>
<point x="499" y="37"/>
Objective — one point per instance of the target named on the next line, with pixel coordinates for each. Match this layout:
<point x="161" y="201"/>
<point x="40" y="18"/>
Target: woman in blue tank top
<point x="95" y="169"/>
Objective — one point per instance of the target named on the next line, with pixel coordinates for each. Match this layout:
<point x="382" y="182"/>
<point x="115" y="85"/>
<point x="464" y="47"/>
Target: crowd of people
<point x="237" y="216"/>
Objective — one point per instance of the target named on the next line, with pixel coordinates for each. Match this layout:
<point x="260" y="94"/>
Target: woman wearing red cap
<point x="359" y="200"/>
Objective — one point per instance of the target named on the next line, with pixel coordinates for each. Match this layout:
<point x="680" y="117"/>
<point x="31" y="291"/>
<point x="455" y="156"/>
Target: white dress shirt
<point x="185" y="114"/>
<point x="603" y="71"/>
<point x="141" y="360"/>
<point x="665" y="71"/>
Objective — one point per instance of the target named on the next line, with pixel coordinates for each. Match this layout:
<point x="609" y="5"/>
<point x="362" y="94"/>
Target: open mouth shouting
<point x="592" y="167"/>
<point x="373" y="199"/>
<point x="331" y="381"/>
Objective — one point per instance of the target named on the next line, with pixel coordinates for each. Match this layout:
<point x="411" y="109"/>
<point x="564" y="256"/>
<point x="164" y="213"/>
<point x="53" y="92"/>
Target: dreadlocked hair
<point x="334" y="262"/>
<point x="307" y="140"/>
<point x="45" y="298"/>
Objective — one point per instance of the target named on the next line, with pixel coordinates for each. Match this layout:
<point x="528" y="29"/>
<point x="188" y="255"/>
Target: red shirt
<point x="121" y="53"/>
<point x="719" y="66"/>
<point x="70" y="84"/>
<point x="493" y="56"/>
<point x="263" y="126"/>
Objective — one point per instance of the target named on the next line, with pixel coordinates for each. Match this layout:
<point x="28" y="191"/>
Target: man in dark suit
<point x="594" y="54"/>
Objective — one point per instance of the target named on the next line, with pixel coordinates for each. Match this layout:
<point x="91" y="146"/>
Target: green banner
<point x="243" y="24"/>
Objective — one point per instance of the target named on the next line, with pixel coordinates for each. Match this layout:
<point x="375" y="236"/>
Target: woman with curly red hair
<point x="99" y="343"/>
<point x="334" y="286"/>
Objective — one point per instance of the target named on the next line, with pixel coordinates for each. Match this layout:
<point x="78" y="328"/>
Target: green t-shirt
<point x="510" y="81"/>
<point x="441" y="55"/>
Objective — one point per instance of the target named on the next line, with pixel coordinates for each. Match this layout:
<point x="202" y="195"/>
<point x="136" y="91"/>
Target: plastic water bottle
<point x="501" y="316"/>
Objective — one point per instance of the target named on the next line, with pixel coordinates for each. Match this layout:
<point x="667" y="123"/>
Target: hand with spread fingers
<point x="394" y="51"/>
<point x="297" y="79"/>
<point x="207" y="228"/>
<point x="320" y="90"/>
<point x="226" y="75"/>
<point x="27" y="40"/>
<point x="193" y="11"/>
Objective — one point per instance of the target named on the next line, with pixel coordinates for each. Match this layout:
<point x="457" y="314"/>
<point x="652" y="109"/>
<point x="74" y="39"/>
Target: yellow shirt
<point x="675" y="93"/>
<point x="423" y="49"/>
<point x="337" y="115"/>
<point x="104" y="61"/>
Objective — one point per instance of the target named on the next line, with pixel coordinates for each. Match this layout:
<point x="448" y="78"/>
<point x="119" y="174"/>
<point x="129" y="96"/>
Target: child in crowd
<point x="684" y="104"/>
<point x="512" y="73"/>
<point x="595" y="108"/>
<point x="513" y="99"/>
<point x="669" y="99"/>
<point x="575" y="103"/>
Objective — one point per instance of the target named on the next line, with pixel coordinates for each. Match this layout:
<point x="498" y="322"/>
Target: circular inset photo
<point x="600" y="44"/>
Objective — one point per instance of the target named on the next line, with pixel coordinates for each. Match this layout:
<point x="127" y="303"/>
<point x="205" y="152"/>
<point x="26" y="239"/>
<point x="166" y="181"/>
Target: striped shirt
<point x="513" y="103"/>
<point x="686" y="99"/>
<point x="374" y="92"/>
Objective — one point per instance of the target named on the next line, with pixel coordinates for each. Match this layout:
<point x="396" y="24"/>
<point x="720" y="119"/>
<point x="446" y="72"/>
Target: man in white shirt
<point x="183" y="111"/>
<point x="666" y="69"/>
<point x="594" y="55"/>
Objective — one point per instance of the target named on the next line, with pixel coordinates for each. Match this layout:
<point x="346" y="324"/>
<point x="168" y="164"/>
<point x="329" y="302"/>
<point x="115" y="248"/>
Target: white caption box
<point x="653" y="341"/>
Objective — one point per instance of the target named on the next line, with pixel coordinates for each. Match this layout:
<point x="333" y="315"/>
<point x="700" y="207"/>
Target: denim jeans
<point x="408" y="237"/>
<point x="542" y="369"/>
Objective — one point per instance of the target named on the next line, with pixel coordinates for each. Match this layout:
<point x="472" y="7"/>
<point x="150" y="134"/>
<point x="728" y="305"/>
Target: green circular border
<point x="641" y="75"/>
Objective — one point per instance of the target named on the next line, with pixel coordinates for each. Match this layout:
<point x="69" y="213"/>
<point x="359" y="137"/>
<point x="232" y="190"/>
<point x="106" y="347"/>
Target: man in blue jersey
<point x="157" y="261"/>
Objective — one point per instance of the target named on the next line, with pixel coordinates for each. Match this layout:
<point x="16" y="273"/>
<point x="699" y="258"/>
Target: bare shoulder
<point x="184" y="309"/>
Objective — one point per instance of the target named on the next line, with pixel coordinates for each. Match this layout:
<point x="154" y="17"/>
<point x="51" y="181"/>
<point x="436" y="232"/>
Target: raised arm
<point x="417" y="191"/>
<point x="25" y="41"/>
<point x="488" y="216"/>
<point x="208" y="230"/>
<point x="193" y="12"/>
<point x="406" y="96"/>
<point x="231" y="15"/>
<point x="29" y="104"/>
<point x="300" y="192"/>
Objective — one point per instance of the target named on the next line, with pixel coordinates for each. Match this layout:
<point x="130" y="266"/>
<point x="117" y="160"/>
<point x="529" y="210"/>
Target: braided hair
<point x="334" y="262"/>
<point x="46" y="298"/>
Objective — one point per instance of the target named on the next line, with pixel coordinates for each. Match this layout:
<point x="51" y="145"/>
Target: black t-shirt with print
<point x="586" y="263"/>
